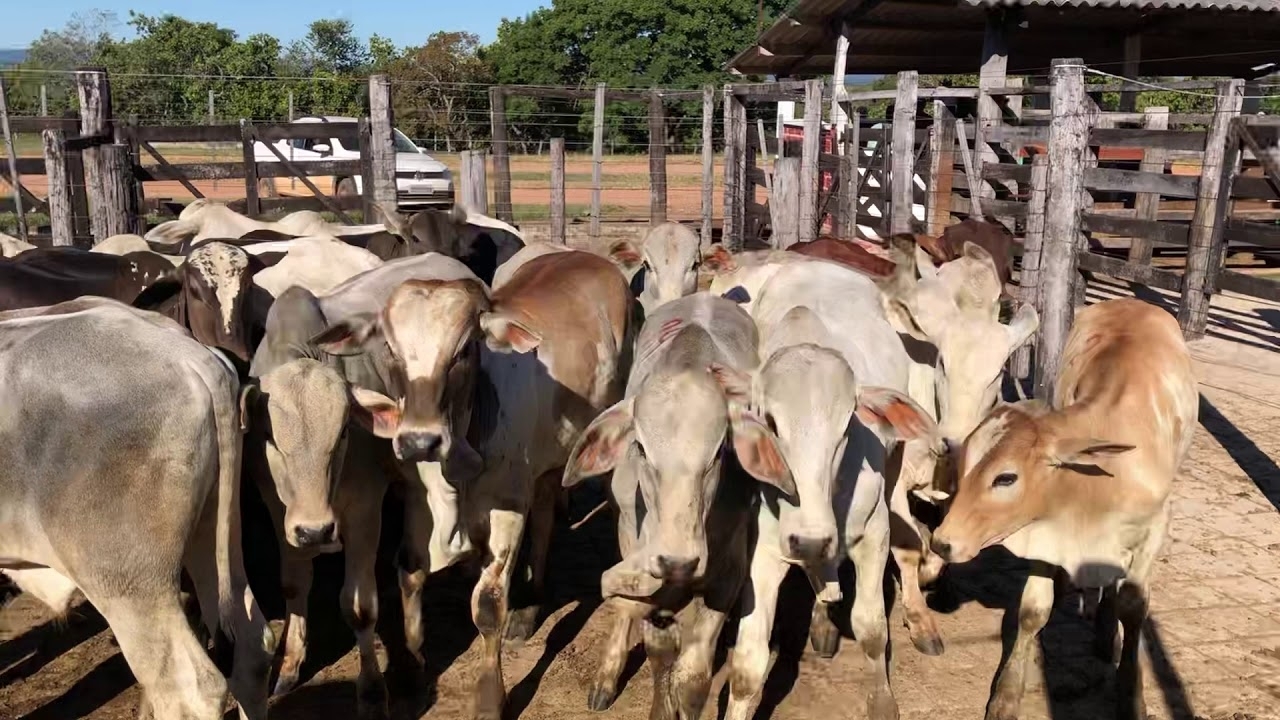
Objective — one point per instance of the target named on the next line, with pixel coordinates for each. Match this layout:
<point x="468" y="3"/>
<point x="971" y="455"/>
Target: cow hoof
<point x="285" y="683"/>
<point x="882" y="706"/>
<point x="600" y="699"/>
<point x="930" y="645"/>
<point x="522" y="623"/>
<point x="824" y="637"/>
<point x="490" y="696"/>
<point x="371" y="699"/>
<point x="1003" y="708"/>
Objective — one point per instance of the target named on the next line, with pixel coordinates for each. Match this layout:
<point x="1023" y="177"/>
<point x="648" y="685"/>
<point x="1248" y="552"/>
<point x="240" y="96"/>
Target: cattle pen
<point x="1178" y="208"/>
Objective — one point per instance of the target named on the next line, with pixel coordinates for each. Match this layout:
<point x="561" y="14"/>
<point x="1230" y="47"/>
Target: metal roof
<point x="1178" y="37"/>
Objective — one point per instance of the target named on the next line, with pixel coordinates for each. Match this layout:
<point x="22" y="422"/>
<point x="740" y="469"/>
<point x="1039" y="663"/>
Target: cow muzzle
<point x="418" y="446"/>
<point x="315" y="536"/>
<point x="675" y="570"/>
<point x="810" y="550"/>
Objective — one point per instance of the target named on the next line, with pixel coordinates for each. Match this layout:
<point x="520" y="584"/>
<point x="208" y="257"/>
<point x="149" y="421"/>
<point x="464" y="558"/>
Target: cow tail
<point x="228" y="553"/>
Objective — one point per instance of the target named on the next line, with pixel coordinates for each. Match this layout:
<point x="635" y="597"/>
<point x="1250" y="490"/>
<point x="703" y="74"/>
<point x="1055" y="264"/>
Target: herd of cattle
<point x="785" y="417"/>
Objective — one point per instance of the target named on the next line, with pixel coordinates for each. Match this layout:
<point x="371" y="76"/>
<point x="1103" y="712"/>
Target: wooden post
<point x="708" y="162"/>
<point x="942" y="167"/>
<point x="810" y="148"/>
<point x="1068" y="146"/>
<point x="252" y="203"/>
<point x="475" y="188"/>
<point x="382" y="149"/>
<point x="557" y="191"/>
<point x="901" y="181"/>
<point x="1132" y="63"/>
<point x="838" y="118"/>
<point x="501" y="154"/>
<point x="849" y="181"/>
<point x="1032" y="249"/>
<point x="735" y="169"/>
<point x="1231" y="163"/>
<point x="95" y="120"/>
<point x="970" y="172"/>
<point x="293" y="182"/>
<point x="993" y="74"/>
<point x="58" y="180"/>
<point x="597" y="159"/>
<point x="117" y="215"/>
<point x="44" y="100"/>
<point x="1147" y="205"/>
<point x="12" y="154"/>
<point x="657" y="159"/>
<point x="786" y="209"/>
<point x="1193" y="311"/>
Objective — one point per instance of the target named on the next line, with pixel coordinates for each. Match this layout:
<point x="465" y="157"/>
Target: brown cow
<point x="47" y="276"/>
<point x="1083" y="485"/>
<point x="847" y="253"/>
<point x="986" y="234"/>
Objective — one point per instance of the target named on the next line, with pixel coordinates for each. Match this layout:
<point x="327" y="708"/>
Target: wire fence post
<point x="597" y="159"/>
<point x="15" y="180"/>
<point x="708" y="162"/>
<point x="62" y="224"/>
<point x="942" y="167"/>
<point x="657" y="159"/>
<point x="121" y="209"/>
<point x="44" y="100"/>
<point x="94" y="91"/>
<point x="1193" y="310"/>
<point x="849" y="181"/>
<point x="1147" y="204"/>
<point x="475" y="188"/>
<point x="382" y="150"/>
<point x="501" y="154"/>
<point x="557" y="191"/>
<point x="293" y="181"/>
<point x="903" y="151"/>
<point x="810" y="176"/>
<point x="252" y="203"/>
<point x="735" y="171"/>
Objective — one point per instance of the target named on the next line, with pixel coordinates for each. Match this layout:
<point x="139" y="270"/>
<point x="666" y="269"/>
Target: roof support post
<point x="838" y="117"/>
<point x="995" y="62"/>
<point x="1132" y="62"/>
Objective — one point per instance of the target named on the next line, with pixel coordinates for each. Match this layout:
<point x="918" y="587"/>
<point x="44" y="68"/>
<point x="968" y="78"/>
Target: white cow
<point x="204" y="219"/>
<point x="665" y="265"/>
<point x="11" y="246"/>
<point x="318" y="263"/>
<point x="834" y="385"/>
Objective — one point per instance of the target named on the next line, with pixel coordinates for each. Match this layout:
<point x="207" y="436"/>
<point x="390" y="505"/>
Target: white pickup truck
<point x="421" y="180"/>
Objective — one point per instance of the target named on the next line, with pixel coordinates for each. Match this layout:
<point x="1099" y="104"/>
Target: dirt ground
<point x="1212" y="647"/>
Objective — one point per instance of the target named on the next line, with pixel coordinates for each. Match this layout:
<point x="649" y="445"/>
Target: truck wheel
<point x="346" y="188"/>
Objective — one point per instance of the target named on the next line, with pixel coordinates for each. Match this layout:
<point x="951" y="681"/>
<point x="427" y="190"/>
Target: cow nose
<point x="677" y="570"/>
<point x="809" y="550"/>
<point x="941" y="547"/>
<point x="312" y="536"/>
<point x="419" y="446"/>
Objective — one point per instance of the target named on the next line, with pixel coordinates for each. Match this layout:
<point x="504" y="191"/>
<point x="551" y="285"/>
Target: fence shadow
<point x="1255" y="463"/>
<point x="27" y="654"/>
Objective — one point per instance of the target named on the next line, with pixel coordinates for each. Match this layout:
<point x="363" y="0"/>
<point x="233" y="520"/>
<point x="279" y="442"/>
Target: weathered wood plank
<point x="942" y="168"/>
<point x="1206" y="238"/>
<point x="1243" y="231"/>
<point x="657" y="159"/>
<point x="1117" y="268"/>
<point x="903" y="152"/>
<point x="557" y="191"/>
<point x="597" y="157"/>
<point x="474" y="190"/>
<point x="1114" y="180"/>
<point x="785" y="208"/>
<point x="1154" y="138"/>
<point x="847" y="204"/>
<point x="708" y="162"/>
<point x="119" y="215"/>
<point x="236" y="170"/>
<point x="501" y="155"/>
<point x="1150" y="230"/>
<point x="1251" y="285"/>
<point x="34" y="125"/>
<point x="1032" y="248"/>
<point x="57" y="176"/>
<point x="1147" y="205"/>
<point x="382" y="149"/>
<point x="810" y="148"/>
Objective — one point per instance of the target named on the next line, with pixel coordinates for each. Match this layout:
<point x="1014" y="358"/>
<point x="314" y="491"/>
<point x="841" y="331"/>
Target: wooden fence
<point x="96" y="165"/>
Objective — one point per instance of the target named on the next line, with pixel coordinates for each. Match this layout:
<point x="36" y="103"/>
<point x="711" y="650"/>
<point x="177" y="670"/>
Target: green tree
<point x="440" y="89"/>
<point x="56" y="53"/>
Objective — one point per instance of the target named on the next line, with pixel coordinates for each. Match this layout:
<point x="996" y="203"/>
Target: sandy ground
<point x="1212" y="646"/>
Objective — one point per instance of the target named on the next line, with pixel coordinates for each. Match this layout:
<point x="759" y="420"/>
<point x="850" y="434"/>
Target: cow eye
<point x="640" y="451"/>
<point x="768" y="421"/>
<point x="1004" y="480"/>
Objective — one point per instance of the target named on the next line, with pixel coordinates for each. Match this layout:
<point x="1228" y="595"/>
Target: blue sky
<point x="406" y="22"/>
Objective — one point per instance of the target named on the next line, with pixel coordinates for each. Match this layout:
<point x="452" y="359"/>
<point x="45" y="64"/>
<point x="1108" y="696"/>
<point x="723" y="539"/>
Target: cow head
<point x="482" y="243"/>
<point x="824" y="420"/>
<point x="217" y="283"/>
<point x="956" y="308"/>
<point x="671" y="437"/>
<point x="665" y="267"/>
<point x="432" y="328"/>
<point x="298" y="411"/>
<point x="1020" y="470"/>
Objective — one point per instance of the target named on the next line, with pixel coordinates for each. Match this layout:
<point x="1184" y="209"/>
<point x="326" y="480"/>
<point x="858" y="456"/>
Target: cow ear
<point x="1086" y="451"/>
<point x="249" y="395"/>
<point x="602" y="444"/>
<point x="974" y="251"/>
<point x="758" y="453"/>
<point x="504" y="334"/>
<point x="626" y="255"/>
<point x="899" y="315"/>
<point x="924" y="263"/>
<point x="892" y="412"/>
<point x="717" y="260"/>
<point x="171" y="234"/>
<point x="735" y="383"/>
<point x="375" y="412"/>
<point x="350" y="336"/>
<point x="396" y="223"/>
<point x="1023" y="324"/>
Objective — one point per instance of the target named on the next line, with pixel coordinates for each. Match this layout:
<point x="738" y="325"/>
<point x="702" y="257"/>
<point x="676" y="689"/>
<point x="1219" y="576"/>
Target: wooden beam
<point x="501" y="154"/>
<point x="810" y="177"/>
<point x="708" y="162"/>
<point x="95" y="119"/>
<point x="903" y="149"/>
<point x="1068" y="148"/>
<point x="382" y="151"/>
<point x="785" y="204"/>
<point x="597" y="159"/>
<point x="1212" y="204"/>
<point x="942" y="167"/>
<point x="1147" y="205"/>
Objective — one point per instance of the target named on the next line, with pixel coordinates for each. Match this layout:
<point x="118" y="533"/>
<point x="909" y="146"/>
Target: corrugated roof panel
<point x="1247" y="5"/>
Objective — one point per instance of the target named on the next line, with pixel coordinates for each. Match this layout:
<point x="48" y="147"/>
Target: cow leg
<point x="604" y="689"/>
<point x="1131" y="608"/>
<point x="542" y="517"/>
<point x="1104" y="624"/>
<point x="824" y="636"/>
<point x="48" y="586"/>
<point x="177" y="677"/>
<point x="361" y="516"/>
<point x="751" y="653"/>
<point x="295" y="586"/>
<point x="254" y="643"/>
<point x="870" y="555"/>
<point x="1033" y="612"/>
<point x="662" y="644"/>
<point x="489" y="609"/>
<point x="692" y="673"/>
<point x="414" y="560"/>
<point x="908" y="546"/>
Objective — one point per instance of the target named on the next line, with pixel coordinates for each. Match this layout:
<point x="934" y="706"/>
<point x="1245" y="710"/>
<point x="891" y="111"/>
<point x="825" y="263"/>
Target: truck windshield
<point x="403" y="144"/>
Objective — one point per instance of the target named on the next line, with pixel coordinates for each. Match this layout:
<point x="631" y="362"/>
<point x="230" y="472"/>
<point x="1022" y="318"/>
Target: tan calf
<point x="1083" y="485"/>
